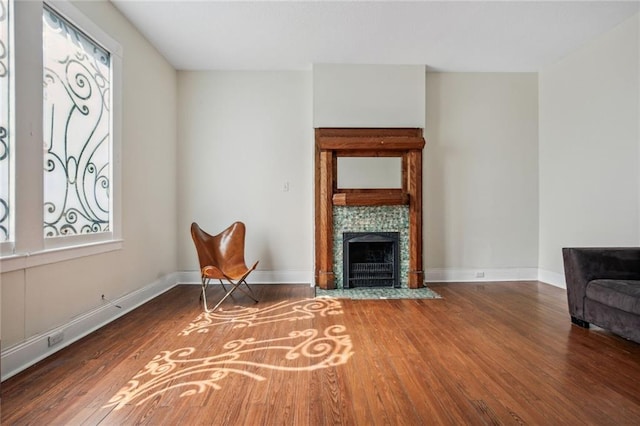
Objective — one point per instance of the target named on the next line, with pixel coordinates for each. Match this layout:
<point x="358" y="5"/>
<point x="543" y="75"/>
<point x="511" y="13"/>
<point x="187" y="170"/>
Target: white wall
<point x="589" y="148"/>
<point x="368" y="95"/>
<point x="480" y="175"/>
<point x="38" y="299"/>
<point x="242" y="136"/>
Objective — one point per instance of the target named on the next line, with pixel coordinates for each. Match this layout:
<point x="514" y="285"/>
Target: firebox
<point x="371" y="259"/>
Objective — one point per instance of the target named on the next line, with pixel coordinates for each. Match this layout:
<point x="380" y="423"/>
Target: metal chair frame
<point x="235" y="286"/>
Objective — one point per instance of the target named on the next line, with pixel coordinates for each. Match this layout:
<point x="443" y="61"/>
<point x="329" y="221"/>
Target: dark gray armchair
<point x="603" y="288"/>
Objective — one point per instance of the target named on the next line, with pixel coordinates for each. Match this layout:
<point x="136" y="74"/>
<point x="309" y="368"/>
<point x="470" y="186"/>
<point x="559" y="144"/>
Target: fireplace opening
<point x="371" y="259"/>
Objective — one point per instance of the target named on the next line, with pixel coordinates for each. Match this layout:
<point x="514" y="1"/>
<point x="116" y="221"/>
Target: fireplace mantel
<point x="331" y="143"/>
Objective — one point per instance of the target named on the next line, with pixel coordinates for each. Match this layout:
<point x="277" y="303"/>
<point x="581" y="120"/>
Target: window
<point x="63" y="174"/>
<point x="5" y="140"/>
<point x="77" y="130"/>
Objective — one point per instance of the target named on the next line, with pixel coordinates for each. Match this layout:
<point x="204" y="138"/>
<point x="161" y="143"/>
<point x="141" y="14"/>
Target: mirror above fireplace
<point x="369" y="172"/>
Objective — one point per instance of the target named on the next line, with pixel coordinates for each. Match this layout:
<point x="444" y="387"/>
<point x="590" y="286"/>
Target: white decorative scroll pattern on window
<point x="5" y="141"/>
<point x="77" y="130"/>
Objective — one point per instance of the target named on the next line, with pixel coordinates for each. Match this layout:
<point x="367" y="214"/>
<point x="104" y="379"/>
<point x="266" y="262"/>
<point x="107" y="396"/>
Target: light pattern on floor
<point x="251" y="317"/>
<point x="299" y="350"/>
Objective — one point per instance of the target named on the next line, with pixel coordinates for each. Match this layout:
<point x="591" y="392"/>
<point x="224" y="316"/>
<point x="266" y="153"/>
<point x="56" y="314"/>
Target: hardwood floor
<point x="493" y="353"/>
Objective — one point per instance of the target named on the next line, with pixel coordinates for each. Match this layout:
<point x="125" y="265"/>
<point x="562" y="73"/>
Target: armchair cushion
<point x="619" y="294"/>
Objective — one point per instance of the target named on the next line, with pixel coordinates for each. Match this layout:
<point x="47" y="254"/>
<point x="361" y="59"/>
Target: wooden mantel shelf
<point x="373" y="197"/>
<point x="381" y="143"/>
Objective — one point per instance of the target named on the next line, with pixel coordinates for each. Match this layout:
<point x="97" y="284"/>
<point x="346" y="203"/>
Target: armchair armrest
<point x="582" y="265"/>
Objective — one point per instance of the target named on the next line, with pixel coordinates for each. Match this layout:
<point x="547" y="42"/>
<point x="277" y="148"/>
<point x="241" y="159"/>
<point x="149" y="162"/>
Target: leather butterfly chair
<point x="221" y="258"/>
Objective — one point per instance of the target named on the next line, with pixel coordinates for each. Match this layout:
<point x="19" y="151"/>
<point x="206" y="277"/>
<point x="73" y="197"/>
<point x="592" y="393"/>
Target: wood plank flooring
<point x="487" y="353"/>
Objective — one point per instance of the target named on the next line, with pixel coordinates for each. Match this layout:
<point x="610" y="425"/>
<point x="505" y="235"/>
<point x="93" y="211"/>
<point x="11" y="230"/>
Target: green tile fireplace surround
<point x="370" y="219"/>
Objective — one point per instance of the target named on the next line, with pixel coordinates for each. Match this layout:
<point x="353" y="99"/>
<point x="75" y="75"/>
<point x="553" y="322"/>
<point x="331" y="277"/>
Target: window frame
<point x="30" y="247"/>
<point x="6" y="247"/>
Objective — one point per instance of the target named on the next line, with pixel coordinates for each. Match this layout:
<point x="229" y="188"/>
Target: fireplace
<point x="371" y="259"/>
<point x="333" y="143"/>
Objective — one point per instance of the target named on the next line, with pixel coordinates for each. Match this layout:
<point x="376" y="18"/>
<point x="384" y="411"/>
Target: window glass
<point x="5" y="147"/>
<point x="77" y="130"/>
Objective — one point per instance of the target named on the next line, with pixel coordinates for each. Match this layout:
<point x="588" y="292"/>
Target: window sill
<point x="29" y="260"/>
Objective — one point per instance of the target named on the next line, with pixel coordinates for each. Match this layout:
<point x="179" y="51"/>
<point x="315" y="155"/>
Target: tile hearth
<point x="378" y="293"/>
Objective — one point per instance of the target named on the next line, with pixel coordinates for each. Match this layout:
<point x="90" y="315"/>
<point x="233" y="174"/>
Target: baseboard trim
<point x="553" y="278"/>
<point x="23" y="355"/>
<point x="258" y="277"/>
<point x="431" y="276"/>
<point x="506" y="274"/>
<point x="480" y="275"/>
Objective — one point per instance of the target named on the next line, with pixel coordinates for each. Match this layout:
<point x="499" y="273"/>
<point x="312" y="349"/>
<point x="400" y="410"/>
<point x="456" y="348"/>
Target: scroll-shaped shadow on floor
<point x="252" y="317"/>
<point x="301" y="350"/>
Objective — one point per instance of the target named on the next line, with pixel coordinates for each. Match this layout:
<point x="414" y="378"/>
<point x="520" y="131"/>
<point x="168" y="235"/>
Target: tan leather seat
<point x="221" y="257"/>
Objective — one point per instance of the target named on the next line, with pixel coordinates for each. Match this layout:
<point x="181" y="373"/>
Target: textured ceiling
<point x="445" y="35"/>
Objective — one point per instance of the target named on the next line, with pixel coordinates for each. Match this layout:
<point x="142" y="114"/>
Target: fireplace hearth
<point x="371" y="259"/>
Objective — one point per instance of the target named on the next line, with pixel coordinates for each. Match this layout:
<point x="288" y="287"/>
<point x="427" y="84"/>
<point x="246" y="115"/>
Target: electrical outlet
<point x="479" y="274"/>
<point x="55" y="338"/>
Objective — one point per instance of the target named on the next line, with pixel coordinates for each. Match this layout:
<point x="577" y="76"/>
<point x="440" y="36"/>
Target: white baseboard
<point x="552" y="278"/>
<point x="257" y="277"/>
<point x="480" y="275"/>
<point x="23" y="355"/>
<point x="506" y="274"/>
<point x="431" y="275"/>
